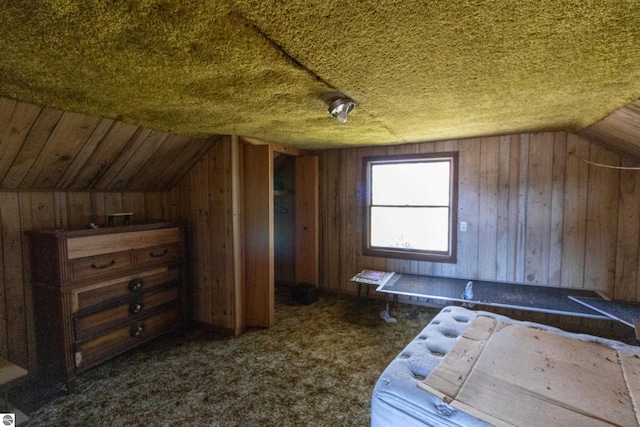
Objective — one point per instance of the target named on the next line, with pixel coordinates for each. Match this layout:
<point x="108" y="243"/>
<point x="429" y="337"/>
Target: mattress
<point x="398" y="401"/>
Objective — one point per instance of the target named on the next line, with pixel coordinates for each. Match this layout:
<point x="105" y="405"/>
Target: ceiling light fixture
<point x="340" y="108"/>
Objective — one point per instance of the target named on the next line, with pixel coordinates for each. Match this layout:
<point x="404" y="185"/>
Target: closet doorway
<point x="284" y="218"/>
<point x="281" y="225"/>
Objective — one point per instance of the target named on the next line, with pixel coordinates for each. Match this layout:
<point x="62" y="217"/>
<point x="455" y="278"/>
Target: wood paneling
<point x="66" y="140"/>
<point x="206" y="202"/>
<point x="306" y="220"/>
<point x="22" y="211"/>
<point x="47" y="149"/>
<point x="258" y="236"/>
<point x="619" y="131"/>
<point x="602" y="221"/>
<point x="468" y="208"/>
<point x="28" y="152"/>
<point x="227" y="201"/>
<point x="627" y="256"/>
<point x="61" y="170"/>
<point x="536" y="213"/>
<point x="100" y="162"/>
<point x="538" y="208"/>
<point x="488" y="207"/>
<point x="13" y="283"/>
<point x="14" y="131"/>
<point x="575" y="212"/>
<point x="557" y="207"/>
<point x="85" y="153"/>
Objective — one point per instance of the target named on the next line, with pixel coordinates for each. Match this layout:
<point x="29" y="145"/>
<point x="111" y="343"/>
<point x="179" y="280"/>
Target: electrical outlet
<point x="463" y="225"/>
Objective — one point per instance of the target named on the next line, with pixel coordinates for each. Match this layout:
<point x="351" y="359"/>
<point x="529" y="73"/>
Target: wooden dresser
<point x="100" y="292"/>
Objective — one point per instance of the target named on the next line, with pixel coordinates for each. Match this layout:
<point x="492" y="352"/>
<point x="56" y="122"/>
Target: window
<point x="411" y="206"/>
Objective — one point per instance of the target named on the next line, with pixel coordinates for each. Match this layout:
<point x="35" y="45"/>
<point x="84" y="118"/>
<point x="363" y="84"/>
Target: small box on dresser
<point x="100" y="292"/>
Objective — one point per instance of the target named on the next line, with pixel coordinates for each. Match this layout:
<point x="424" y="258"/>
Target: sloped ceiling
<point x="619" y="131"/>
<point x="417" y="70"/>
<point x="42" y="148"/>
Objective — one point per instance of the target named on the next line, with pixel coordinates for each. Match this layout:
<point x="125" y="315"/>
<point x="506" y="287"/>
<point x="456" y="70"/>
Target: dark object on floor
<point x="304" y="293"/>
<point x="33" y="394"/>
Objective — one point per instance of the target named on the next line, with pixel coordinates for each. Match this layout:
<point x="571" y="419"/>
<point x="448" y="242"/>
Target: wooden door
<point x="258" y="238"/>
<point x="306" y="196"/>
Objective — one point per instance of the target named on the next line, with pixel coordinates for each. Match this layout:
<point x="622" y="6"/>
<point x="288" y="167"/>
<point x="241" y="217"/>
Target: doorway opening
<point x="284" y="220"/>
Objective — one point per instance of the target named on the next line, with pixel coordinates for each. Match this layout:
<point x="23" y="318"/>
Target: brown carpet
<point x="316" y="367"/>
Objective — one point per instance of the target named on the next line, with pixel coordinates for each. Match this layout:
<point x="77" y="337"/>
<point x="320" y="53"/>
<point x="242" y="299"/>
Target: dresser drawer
<point x="126" y="311"/>
<point x="123" y="286"/>
<point x="156" y="254"/>
<point x="96" y="266"/>
<point x="80" y="247"/>
<point x="88" y="353"/>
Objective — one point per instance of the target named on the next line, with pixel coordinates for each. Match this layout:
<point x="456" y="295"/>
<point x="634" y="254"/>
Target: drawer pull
<point x="135" y="308"/>
<point x="137" y="330"/>
<point x="100" y="267"/>
<point x="135" y="285"/>
<point x="159" y="255"/>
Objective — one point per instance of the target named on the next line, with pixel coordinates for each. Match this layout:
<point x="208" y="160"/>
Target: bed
<point x="405" y="394"/>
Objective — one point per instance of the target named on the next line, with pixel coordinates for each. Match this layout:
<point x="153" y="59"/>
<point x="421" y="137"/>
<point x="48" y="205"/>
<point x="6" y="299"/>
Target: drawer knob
<point x="137" y="330"/>
<point x="135" y="308"/>
<point x="103" y="266"/>
<point x="135" y="285"/>
<point x="159" y="254"/>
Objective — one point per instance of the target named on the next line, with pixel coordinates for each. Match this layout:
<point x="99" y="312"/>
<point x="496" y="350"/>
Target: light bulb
<point x="342" y="114"/>
<point x="341" y="108"/>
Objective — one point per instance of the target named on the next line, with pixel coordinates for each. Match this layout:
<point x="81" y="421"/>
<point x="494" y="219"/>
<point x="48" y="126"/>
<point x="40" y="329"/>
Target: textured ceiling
<point x="417" y="70"/>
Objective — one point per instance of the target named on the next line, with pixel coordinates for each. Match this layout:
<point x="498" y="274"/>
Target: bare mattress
<point x="475" y="368"/>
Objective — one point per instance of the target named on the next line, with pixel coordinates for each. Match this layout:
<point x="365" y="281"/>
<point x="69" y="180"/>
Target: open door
<point x="259" y="230"/>
<point x="258" y="236"/>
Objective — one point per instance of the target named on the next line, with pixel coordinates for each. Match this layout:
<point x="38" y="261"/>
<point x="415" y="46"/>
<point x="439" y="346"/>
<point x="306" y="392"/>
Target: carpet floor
<point x="315" y="367"/>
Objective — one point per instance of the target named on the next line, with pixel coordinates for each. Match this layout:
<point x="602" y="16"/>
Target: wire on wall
<point x="632" y="168"/>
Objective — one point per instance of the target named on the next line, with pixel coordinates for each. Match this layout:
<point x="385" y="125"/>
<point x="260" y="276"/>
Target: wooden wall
<point x="42" y="148"/>
<point x="21" y="211"/>
<point x="65" y="169"/>
<point x="536" y="213"/>
<point x="619" y="130"/>
<point x="206" y="200"/>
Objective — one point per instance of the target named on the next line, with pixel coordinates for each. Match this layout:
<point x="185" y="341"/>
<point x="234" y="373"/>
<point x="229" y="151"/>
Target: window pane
<point x="418" y="183"/>
<point x="424" y="229"/>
